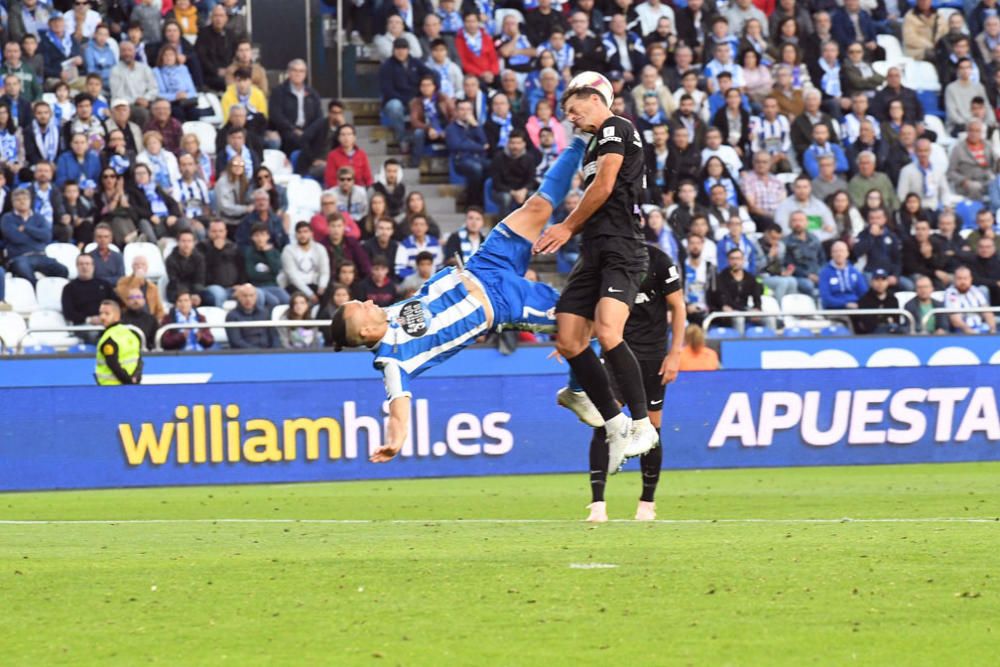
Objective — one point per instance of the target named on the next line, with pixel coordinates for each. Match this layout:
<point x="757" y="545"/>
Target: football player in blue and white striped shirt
<point x="454" y="307"/>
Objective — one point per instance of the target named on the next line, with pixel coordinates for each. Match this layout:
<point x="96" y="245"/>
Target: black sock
<point x="598" y="465"/>
<point x="650" y="463"/>
<point x="594" y="379"/>
<point x="629" y="376"/>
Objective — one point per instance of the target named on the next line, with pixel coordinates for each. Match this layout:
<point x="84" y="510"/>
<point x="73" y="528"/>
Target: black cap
<point x="880" y="273"/>
<point x="338" y="330"/>
<point x="400" y="43"/>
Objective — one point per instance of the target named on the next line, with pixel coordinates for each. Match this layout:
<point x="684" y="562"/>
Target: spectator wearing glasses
<point x="352" y="198"/>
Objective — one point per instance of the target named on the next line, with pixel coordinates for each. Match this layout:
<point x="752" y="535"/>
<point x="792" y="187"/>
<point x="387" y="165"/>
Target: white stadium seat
<point x="278" y="312"/>
<point x="935" y="125"/>
<point x="279" y="165"/>
<point x="12" y="327"/>
<point x="893" y="49"/>
<point x="50" y="319"/>
<point x="920" y="75"/>
<point x="20" y="294"/>
<point x="151" y="252"/>
<point x="210" y="102"/>
<point x="92" y="246"/>
<point x="904" y="297"/>
<point x="49" y="293"/>
<point x="214" y="315"/>
<point x="205" y="132"/>
<point x="65" y="254"/>
<point x="303" y="198"/>
<point x="500" y="14"/>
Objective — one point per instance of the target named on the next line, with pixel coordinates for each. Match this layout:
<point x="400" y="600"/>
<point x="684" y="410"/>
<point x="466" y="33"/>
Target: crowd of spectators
<point x="783" y="148"/>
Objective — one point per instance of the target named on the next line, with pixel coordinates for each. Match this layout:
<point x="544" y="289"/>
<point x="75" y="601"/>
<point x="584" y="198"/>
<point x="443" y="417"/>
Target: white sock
<point x="640" y="422"/>
<point x="617" y="422"/>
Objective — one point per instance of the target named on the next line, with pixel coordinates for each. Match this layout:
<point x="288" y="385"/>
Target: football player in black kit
<point x="659" y="294"/>
<point x="605" y="281"/>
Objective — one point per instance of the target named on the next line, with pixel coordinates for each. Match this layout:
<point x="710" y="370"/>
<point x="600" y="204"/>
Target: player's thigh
<point x="502" y="253"/>
<point x="582" y="291"/>
<point x="609" y="321"/>
<point x="529" y="220"/>
<point x="623" y="264"/>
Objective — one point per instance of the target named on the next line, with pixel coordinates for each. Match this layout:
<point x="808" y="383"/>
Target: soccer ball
<point x="597" y="81"/>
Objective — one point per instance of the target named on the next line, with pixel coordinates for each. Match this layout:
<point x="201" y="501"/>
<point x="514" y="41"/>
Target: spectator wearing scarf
<point x="475" y="49"/>
<point x="186" y="339"/>
<point x="43" y="142"/>
<point x="500" y="123"/>
<point x="430" y="113"/>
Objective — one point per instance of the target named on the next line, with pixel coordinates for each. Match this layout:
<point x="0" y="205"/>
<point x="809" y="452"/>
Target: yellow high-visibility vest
<point x="129" y="349"/>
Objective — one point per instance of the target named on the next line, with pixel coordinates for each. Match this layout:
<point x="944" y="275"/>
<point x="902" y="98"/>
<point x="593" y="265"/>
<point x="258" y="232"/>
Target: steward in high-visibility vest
<point x="119" y="350"/>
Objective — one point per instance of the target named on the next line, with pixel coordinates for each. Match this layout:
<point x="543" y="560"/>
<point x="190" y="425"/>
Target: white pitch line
<point x="109" y="522"/>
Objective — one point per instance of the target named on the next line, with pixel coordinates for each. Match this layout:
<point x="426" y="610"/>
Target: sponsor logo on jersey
<point x="412" y="320"/>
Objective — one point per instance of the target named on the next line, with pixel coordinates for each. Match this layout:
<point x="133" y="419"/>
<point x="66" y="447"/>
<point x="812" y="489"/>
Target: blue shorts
<point x="499" y="265"/>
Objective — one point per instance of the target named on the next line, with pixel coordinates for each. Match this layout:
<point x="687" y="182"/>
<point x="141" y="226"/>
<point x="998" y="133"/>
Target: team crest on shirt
<point x="412" y="319"/>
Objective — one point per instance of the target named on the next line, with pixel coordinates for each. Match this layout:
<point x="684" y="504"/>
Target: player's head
<point x="358" y="323"/>
<point x="585" y="108"/>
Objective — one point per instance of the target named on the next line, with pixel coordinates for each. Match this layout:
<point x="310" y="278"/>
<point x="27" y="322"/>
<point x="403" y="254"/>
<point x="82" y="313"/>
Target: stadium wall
<point x="321" y="430"/>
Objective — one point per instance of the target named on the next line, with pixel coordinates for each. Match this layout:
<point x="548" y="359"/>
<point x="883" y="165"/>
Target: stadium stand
<point x="426" y="132"/>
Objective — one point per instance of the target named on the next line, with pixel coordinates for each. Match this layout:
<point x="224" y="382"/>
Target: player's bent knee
<point x="607" y="336"/>
<point x="570" y="348"/>
<point x="537" y="206"/>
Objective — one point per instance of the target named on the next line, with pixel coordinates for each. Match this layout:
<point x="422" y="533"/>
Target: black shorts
<point x="609" y="266"/>
<point x="651" y="380"/>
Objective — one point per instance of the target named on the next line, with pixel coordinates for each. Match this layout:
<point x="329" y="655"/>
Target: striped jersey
<point x="971" y="298"/>
<point x="427" y="329"/>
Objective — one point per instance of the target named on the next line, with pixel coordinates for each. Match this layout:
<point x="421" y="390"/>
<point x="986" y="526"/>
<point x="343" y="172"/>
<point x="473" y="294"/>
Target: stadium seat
<point x="893" y="50"/>
<point x="835" y="330"/>
<point x="303" y="198"/>
<point x="454" y="177"/>
<point x="759" y="332"/>
<point x="279" y="165"/>
<point x="769" y="304"/>
<point x="215" y="315"/>
<point x="499" y="16"/>
<point x="936" y="125"/>
<point x="12" y="327"/>
<point x="50" y="319"/>
<point x="211" y="109"/>
<point x="166" y="245"/>
<point x="38" y="349"/>
<point x="20" y="294"/>
<point x="205" y="132"/>
<point x="151" y="252"/>
<point x="929" y="101"/>
<point x="920" y="75"/>
<point x="278" y="312"/>
<point x="722" y="333"/>
<point x="65" y="254"/>
<point x="797" y="332"/>
<point x="82" y="348"/>
<point x="802" y="307"/>
<point x="966" y="211"/>
<point x="48" y="292"/>
<point x="90" y="247"/>
<point x="881" y="67"/>
<point x="938" y="295"/>
<point x="489" y="205"/>
<point x="904" y="297"/>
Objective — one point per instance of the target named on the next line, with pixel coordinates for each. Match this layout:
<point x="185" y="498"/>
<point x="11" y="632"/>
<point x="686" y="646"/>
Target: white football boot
<point x="619" y="436"/>
<point x="646" y="511"/>
<point x="580" y="405"/>
<point x="644" y="437"/>
<point x="598" y="512"/>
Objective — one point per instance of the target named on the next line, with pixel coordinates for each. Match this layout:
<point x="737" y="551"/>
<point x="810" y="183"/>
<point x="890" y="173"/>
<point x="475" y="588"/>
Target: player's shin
<point x="598" y="465"/>
<point x="559" y="177"/>
<point x="650" y="464"/>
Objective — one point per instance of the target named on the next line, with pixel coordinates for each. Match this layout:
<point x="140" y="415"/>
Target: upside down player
<point x="604" y="283"/>
<point x="646" y="334"/>
<point x="454" y="307"/>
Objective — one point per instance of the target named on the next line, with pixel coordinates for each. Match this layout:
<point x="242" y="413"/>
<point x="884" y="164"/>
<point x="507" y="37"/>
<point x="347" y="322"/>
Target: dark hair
<point x="471" y="12"/>
<point x="300" y="224"/>
<point x="424" y="256"/>
<point x="380" y="260"/>
<point x="259" y="227"/>
<point x="83" y="97"/>
<point x="772" y="227"/>
<point x="334" y="103"/>
<point x="518" y="134"/>
<point x="477" y="209"/>
<point x="243" y="73"/>
<point x="578" y="93"/>
<point x="183" y="232"/>
<point x="338" y="330"/>
<point x="732" y="250"/>
<point x="438" y="42"/>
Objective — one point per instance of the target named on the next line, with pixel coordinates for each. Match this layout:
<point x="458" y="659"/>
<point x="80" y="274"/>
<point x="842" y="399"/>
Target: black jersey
<point x="619" y="216"/>
<point x="646" y="328"/>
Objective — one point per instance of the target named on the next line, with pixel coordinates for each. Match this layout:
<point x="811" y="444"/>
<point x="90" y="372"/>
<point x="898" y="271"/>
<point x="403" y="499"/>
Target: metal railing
<point x="76" y="328"/>
<point x="934" y="312"/>
<point x="829" y="314"/>
<point x="262" y="324"/>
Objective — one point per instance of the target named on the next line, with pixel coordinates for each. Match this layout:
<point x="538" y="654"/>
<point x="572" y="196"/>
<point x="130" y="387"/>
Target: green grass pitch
<point x="415" y="582"/>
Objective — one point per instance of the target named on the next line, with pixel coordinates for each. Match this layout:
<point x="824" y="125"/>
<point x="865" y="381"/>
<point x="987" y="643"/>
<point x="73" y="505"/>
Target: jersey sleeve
<point x="665" y="272"/>
<point x="613" y="135"/>
<point x="397" y="382"/>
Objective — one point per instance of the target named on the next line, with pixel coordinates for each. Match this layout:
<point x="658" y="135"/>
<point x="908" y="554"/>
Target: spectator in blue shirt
<point x="841" y="285"/>
<point x="467" y="147"/>
<point x="26" y="234"/>
<point x="882" y="249"/>
<point x="740" y="241"/>
<point x="821" y="146"/>
<point x="98" y="56"/>
<point x="79" y="163"/>
<point x="804" y="253"/>
<point x="176" y="84"/>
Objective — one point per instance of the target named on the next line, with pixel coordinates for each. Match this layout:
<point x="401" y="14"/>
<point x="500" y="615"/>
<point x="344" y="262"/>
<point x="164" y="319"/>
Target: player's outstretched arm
<point x="556" y="236"/>
<point x="678" y="323"/>
<point x="399" y="426"/>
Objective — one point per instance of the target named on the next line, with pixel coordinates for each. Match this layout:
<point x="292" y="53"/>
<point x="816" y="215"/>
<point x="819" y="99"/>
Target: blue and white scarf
<point x="194" y="197"/>
<point x="521" y="42"/>
<point x="467" y="245"/>
<point x="9" y="147"/>
<point x="161" y="174"/>
<point x="506" y="125"/>
<point x="43" y="203"/>
<point x="65" y="45"/>
<point x="191" y="340"/>
<point x="451" y="22"/>
<point x="474" y="42"/>
<point x="431" y="115"/>
<point x="47" y="140"/>
<point x="487" y="8"/>
<point x="831" y="79"/>
<point x="156" y="202"/>
<point x="245" y="154"/>
<point x="445" y="80"/>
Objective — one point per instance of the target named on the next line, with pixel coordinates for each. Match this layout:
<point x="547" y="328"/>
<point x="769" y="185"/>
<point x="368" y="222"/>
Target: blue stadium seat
<point x="759" y="332"/>
<point x="722" y="333"/>
<point x="835" y="330"/>
<point x="453" y="176"/>
<point x="966" y="211"/>
<point x="948" y="4"/>
<point x="929" y="100"/>
<point x="489" y="205"/>
<point x="40" y="349"/>
<point x="82" y="348"/>
<point x="797" y="332"/>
